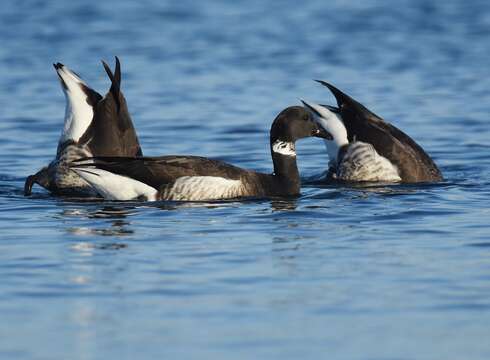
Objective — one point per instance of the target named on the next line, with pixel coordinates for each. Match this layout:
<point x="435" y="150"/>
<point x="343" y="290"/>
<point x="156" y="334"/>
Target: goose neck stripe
<point x="284" y="148"/>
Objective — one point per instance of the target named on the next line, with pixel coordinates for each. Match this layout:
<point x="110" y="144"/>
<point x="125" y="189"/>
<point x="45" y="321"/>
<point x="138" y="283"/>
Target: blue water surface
<point x="388" y="272"/>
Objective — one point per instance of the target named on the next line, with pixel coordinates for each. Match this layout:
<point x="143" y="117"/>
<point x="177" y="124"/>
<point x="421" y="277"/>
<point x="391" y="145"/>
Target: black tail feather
<point x="115" y="80"/>
<point x="345" y="102"/>
<point x="339" y="95"/>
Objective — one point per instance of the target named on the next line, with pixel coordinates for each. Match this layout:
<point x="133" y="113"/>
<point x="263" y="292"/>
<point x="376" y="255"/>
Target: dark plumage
<point x="199" y="178"/>
<point x="363" y="126"/>
<point x="94" y="126"/>
<point x="111" y="131"/>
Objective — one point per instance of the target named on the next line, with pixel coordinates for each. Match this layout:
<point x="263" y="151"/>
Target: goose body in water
<point x="193" y="178"/>
<point x="364" y="147"/>
<point x="93" y="126"/>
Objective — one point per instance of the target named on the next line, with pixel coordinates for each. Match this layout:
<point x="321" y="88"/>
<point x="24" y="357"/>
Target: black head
<point x="294" y="123"/>
<point x="41" y="177"/>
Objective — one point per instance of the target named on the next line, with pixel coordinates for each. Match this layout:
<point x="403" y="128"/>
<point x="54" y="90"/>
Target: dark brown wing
<point x="413" y="163"/>
<point x="112" y="132"/>
<point x="155" y="171"/>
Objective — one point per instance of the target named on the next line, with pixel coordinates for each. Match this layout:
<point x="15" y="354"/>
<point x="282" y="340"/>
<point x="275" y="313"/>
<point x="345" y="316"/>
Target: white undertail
<point x="333" y="124"/>
<point x="78" y="113"/>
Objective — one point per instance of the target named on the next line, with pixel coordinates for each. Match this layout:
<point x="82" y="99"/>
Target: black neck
<point x="291" y="124"/>
<point x="286" y="172"/>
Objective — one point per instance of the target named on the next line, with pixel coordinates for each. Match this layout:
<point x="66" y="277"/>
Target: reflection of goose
<point x="195" y="178"/>
<point x="367" y="148"/>
<point x="93" y="126"/>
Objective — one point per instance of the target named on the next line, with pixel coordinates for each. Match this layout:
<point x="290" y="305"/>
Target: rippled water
<point x="398" y="272"/>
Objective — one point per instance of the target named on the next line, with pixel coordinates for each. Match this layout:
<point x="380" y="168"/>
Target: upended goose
<point x="364" y="147"/>
<point x="193" y="178"/>
<point x="93" y="126"/>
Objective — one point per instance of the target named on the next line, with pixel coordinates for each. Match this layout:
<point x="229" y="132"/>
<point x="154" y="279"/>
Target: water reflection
<point x="284" y="204"/>
<point x="175" y="205"/>
<point x="113" y="218"/>
<point x="118" y="225"/>
<point x="115" y="230"/>
<point x="105" y="212"/>
<point x="364" y="190"/>
<point x="87" y="248"/>
<point x="111" y="212"/>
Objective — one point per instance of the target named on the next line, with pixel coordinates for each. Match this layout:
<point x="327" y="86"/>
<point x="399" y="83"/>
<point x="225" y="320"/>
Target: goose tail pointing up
<point x="115" y="80"/>
<point x="80" y="103"/>
<point x="112" y="131"/>
<point x="345" y="101"/>
<point x="362" y="125"/>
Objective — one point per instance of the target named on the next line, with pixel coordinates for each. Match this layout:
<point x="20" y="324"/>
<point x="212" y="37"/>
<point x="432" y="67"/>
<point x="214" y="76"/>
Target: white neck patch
<point x="284" y="148"/>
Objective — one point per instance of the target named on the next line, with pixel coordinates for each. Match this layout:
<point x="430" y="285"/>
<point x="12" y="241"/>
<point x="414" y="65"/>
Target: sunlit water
<point x="398" y="272"/>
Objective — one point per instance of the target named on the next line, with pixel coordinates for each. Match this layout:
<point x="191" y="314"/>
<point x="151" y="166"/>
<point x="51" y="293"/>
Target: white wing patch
<point x="78" y="113"/>
<point x="116" y="187"/>
<point x="362" y="163"/>
<point x="198" y="188"/>
<point x="284" y="148"/>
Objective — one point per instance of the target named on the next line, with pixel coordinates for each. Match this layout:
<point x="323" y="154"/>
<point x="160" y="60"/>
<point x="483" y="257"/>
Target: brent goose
<point x="93" y="126"/>
<point x="193" y="178"/>
<point x="367" y="148"/>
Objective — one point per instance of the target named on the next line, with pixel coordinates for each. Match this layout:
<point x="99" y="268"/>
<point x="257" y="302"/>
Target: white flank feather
<point x="198" y="188"/>
<point x="284" y="148"/>
<point x="78" y="113"/>
<point x="116" y="187"/>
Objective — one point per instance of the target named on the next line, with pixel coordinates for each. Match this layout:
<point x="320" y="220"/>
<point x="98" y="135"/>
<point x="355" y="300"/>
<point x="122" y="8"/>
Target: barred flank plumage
<point x="361" y="162"/>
